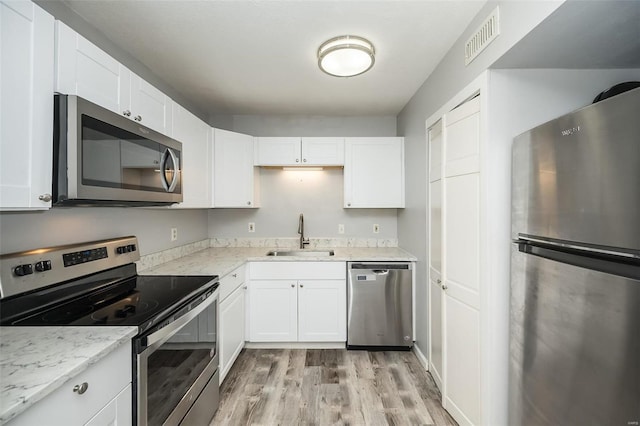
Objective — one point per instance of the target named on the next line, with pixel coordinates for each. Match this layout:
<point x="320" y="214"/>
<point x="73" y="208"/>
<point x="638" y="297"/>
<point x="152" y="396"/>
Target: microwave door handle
<point x="169" y="187"/>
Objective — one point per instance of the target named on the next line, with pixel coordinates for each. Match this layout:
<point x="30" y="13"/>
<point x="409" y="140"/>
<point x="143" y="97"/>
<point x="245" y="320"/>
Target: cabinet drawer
<point x="231" y="281"/>
<point x="106" y="379"/>
<point x="298" y="270"/>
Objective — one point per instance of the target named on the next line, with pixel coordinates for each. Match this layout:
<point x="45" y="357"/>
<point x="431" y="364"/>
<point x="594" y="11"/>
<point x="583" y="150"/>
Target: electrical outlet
<point x="174" y="234"/>
<point x="251" y="227"/>
<point x="376" y="228"/>
<point x="341" y="228"/>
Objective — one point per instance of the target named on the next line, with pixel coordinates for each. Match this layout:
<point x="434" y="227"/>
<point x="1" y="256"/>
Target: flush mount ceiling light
<point x="346" y="56"/>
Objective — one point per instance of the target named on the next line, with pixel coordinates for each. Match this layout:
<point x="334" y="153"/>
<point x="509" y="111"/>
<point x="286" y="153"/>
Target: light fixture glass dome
<point x="346" y="56"/>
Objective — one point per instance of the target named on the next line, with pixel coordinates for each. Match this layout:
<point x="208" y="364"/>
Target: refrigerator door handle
<point x="526" y="239"/>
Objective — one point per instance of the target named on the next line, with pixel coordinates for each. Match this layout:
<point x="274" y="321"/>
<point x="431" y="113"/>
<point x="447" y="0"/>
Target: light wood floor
<point x="329" y="386"/>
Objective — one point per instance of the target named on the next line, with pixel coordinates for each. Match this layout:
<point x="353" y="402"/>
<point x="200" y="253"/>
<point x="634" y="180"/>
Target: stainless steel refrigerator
<point x="575" y="268"/>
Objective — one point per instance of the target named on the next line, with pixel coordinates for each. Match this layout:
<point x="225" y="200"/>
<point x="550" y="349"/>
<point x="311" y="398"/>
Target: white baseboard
<point x="295" y="345"/>
<point x="421" y="357"/>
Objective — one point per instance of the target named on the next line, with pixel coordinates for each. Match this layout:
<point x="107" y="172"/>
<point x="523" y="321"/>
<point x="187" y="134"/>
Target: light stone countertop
<point x="35" y="361"/>
<point x="223" y="260"/>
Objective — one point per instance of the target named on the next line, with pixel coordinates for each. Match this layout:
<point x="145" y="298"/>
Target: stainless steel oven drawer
<point x="203" y="410"/>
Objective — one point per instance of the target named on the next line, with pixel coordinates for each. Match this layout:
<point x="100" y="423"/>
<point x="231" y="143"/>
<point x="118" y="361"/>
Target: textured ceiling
<point x="259" y="57"/>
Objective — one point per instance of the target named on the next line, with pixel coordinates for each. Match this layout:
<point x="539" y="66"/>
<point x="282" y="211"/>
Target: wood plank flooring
<point x="329" y="387"/>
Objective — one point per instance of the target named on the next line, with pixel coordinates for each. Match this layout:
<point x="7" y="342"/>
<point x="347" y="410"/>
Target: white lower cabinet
<point x="232" y="317"/>
<point x="107" y="399"/>
<point x="273" y="316"/>
<point x="298" y="302"/>
<point x="117" y="412"/>
<point x="232" y="325"/>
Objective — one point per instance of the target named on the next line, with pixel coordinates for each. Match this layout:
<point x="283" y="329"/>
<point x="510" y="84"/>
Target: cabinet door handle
<point x="234" y="275"/>
<point x="348" y="204"/>
<point x="439" y="281"/>
<point x="80" y="389"/>
<point x="301" y="286"/>
<point x="248" y="203"/>
<point x="138" y="118"/>
<point x="444" y="287"/>
<point x="245" y="287"/>
<point x="45" y="197"/>
<point x="304" y="160"/>
<point x="293" y="285"/>
<point x="126" y="113"/>
<point x="297" y="160"/>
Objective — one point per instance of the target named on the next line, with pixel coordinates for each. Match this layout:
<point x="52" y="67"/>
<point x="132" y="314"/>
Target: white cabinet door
<point x="26" y="106"/>
<point x="374" y="172"/>
<point x="322" y="311"/>
<point x="273" y="311"/>
<point x="232" y="326"/>
<point x="196" y="158"/>
<point x="85" y="70"/>
<point x="462" y="397"/>
<point x="235" y="180"/>
<point x="322" y="151"/>
<point x="278" y="151"/>
<point x="117" y="413"/>
<point x="149" y="106"/>
<point x="435" y="152"/>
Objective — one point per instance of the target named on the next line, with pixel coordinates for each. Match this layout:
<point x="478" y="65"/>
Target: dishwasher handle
<point x="380" y="271"/>
<point x="380" y="266"/>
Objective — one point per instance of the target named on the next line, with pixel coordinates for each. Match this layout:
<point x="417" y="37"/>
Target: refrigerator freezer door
<point x="577" y="178"/>
<point x="575" y="344"/>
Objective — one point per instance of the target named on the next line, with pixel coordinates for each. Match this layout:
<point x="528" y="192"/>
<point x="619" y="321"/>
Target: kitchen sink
<point x="303" y="253"/>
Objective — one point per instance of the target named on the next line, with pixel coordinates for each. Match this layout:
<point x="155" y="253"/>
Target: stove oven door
<point x="177" y="368"/>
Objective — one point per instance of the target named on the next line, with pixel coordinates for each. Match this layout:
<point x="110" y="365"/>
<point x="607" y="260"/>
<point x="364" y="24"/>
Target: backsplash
<point x="295" y="242"/>
<point x="154" y="259"/>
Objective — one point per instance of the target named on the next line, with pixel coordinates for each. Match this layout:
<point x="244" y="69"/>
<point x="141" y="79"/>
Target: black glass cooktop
<point x="138" y="301"/>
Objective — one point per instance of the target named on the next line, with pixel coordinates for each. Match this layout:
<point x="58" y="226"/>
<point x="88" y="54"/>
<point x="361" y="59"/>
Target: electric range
<point x="96" y="284"/>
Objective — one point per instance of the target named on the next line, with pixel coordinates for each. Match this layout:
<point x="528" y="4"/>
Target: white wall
<point x="30" y="230"/>
<point x="316" y="194"/>
<point x="449" y="77"/>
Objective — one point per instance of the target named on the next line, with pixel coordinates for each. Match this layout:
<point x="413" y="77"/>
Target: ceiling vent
<point x="485" y="34"/>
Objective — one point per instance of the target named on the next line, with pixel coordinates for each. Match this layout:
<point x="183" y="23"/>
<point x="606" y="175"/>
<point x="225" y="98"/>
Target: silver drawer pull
<point x="80" y="389"/>
<point x="234" y="275"/>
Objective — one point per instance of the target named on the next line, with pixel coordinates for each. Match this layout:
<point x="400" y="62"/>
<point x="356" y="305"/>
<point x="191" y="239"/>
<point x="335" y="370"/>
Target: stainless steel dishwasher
<point x="380" y="305"/>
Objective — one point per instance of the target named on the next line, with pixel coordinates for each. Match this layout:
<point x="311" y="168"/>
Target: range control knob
<point x="22" y="270"/>
<point x="131" y="247"/>
<point x="44" y="265"/>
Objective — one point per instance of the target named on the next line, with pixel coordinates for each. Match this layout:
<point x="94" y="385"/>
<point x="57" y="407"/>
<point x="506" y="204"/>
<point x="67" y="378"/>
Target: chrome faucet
<point x="303" y="241"/>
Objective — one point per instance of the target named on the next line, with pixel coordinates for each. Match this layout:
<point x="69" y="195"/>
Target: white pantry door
<point x="461" y="195"/>
<point x="435" y="253"/>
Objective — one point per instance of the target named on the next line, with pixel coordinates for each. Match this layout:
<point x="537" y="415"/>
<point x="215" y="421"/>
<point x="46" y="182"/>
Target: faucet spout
<point x="303" y="241"/>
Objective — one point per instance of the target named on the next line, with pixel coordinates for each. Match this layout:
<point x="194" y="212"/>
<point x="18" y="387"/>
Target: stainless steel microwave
<point x="102" y="158"/>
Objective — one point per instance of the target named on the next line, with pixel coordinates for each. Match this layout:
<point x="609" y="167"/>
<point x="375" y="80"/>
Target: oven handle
<point x="165" y="332"/>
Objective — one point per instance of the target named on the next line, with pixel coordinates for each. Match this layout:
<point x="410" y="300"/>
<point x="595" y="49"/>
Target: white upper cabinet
<point x="235" y="179"/>
<point x="374" y="172"/>
<point x="149" y="106"/>
<point x="296" y="151"/>
<point x="319" y="151"/>
<point x="195" y="136"/>
<point x="278" y="151"/>
<point x="85" y="70"/>
<point x="26" y="105"/>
